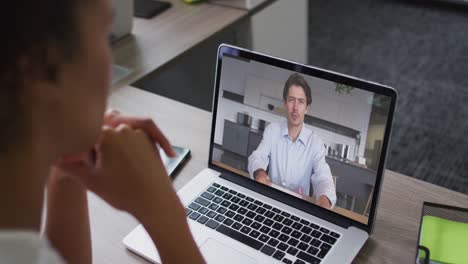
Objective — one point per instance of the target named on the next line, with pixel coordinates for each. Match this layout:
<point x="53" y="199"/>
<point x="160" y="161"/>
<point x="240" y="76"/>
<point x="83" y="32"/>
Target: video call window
<point x="312" y="138"/>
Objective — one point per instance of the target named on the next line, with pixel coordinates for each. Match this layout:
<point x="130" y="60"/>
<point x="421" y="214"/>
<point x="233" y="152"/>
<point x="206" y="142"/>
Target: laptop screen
<point x="315" y="139"/>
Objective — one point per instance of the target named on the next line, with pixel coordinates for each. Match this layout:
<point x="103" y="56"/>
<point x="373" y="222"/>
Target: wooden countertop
<point x="343" y="211"/>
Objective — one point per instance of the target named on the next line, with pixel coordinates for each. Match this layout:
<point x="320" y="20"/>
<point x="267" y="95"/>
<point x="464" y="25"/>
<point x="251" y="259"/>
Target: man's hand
<point x="324" y="202"/>
<point x="262" y="177"/>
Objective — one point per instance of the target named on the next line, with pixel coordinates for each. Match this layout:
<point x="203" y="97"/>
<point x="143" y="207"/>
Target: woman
<point x="54" y="81"/>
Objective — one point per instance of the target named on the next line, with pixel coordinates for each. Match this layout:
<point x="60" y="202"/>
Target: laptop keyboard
<point x="263" y="227"/>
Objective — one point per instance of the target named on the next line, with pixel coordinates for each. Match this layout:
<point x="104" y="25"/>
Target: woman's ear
<point x="39" y="81"/>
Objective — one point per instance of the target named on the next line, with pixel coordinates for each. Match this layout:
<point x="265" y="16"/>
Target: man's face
<point x="296" y="105"/>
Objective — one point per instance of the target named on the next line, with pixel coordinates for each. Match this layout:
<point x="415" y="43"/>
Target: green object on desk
<point x="446" y="240"/>
<point x="192" y="1"/>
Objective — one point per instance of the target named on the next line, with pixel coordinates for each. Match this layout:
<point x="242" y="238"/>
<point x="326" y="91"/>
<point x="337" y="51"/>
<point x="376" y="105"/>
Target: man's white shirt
<point x="294" y="164"/>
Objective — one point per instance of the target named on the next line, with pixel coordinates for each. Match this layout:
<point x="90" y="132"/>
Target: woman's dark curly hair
<point x="30" y="30"/>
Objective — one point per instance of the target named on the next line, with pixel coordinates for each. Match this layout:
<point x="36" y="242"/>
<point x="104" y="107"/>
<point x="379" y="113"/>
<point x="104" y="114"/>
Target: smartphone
<point x="149" y="8"/>
<point x="173" y="164"/>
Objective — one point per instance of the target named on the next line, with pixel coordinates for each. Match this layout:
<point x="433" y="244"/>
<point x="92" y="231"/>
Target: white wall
<point x="233" y="75"/>
<point x="228" y="110"/>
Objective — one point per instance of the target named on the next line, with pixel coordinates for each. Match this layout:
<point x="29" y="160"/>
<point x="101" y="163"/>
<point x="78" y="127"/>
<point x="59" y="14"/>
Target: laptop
<point x="289" y="180"/>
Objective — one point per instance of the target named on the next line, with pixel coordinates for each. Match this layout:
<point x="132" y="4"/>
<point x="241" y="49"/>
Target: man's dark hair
<point x="30" y="31"/>
<point x="298" y="80"/>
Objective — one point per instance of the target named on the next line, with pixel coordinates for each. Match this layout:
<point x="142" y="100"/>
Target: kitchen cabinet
<point x="240" y="139"/>
<point x="235" y="89"/>
<point x="235" y="138"/>
<point x="234" y="161"/>
<point x="345" y="170"/>
<point x="354" y="185"/>
<point x="255" y="138"/>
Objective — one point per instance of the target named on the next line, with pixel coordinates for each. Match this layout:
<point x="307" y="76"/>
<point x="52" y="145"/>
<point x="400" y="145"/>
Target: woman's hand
<point x="124" y="168"/>
<point x="112" y="119"/>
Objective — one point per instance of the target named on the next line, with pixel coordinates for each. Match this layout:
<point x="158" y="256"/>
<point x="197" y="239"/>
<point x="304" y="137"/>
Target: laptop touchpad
<point x="216" y="252"/>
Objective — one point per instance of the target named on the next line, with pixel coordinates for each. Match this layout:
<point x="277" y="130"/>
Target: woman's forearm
<point x="67" y="223"/>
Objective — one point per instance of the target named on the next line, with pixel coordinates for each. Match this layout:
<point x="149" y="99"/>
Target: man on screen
<point x="294" y="154"/>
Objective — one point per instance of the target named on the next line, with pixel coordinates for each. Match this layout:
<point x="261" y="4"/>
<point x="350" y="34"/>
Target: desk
<point x="156" y="42"/>
<point x="153" y="45"/>
<point x="395" y="235"/>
